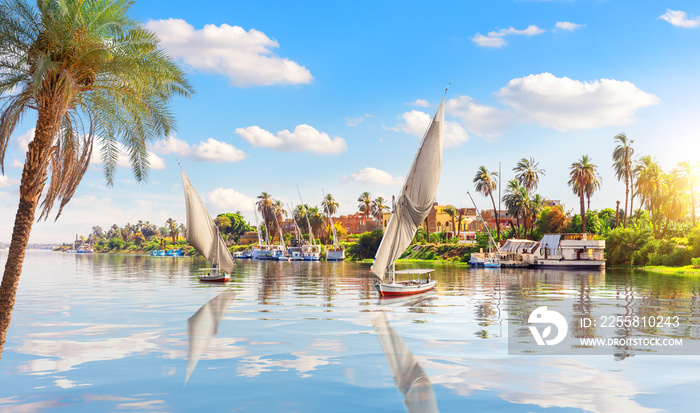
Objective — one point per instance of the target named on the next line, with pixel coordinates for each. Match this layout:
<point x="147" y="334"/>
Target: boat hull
<point x="570" y="264"/>
<point x="405" y="288"/>
<point x="222" y="278"/>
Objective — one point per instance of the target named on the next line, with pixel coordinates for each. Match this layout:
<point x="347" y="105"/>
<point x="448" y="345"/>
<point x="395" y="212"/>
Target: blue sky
<point x="335" y="96"/>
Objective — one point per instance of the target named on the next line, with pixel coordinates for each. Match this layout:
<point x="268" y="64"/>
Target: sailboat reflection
<point x="203" y="325"/>
<point x="410" y="377"/>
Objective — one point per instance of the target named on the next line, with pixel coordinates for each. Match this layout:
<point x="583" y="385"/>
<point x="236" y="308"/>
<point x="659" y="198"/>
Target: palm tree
<point x="279" y="212"/>
<point x="264" y="205"/>
<point x="689" y="172"/>
<point x="517" y="201"/>
<point x="330" y="206"/>
<point x="527" y="173"/>
<point x="622" y="163"/>
<point x="88" y="71"/>
<point x="650" y="185"/>
<point x="379" y="207"/>
<point x="172" y="227"/>
<point x="582" y="175"/>
<point x="485" y="184"/>
<point x="452" y="212"/>
<point x="365" y="200"/>
<point x="675" y="200"/>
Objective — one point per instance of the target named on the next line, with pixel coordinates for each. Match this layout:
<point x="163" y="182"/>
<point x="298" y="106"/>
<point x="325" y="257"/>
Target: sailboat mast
<point x="478" y="214"/>
<point x="306" y="213"/>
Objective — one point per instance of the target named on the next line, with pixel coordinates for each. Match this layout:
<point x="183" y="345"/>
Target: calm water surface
<point x="109" y="333"/>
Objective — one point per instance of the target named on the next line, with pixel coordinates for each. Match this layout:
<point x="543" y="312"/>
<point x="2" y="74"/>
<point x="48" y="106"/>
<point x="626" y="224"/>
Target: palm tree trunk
<point x="33" y="178"/>
<point x="583" y="212"/>
<point x="498" y="226"/>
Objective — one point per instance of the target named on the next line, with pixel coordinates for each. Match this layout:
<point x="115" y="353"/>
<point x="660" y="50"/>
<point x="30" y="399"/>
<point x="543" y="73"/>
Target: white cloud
<point x="488" y="41"/>
<point x="24" y="139"/>
<point x="421" y="103"/>
<point x="679" y="18"/>
<point x="416" y="123"/>
<point x="356" y="121"/>
<point x="484" y="121"/>
<point x="209" y="151"/>
<point x="304" y="138"/>
<point x="230" y="200"/>
<point x="373" y="176"/>
<point x="495" y="38"/>
<point x="566" y="104"/>
<point x="245" y="57"/>
<point x="17" y="164"/>
<point x="568" y="26"/>
<point x="6" y="181"/>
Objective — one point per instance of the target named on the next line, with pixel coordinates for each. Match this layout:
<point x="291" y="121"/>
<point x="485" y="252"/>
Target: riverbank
<point x="687" y="270"/>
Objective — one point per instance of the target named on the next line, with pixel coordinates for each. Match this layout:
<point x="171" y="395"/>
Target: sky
<point x="335" y="97"/>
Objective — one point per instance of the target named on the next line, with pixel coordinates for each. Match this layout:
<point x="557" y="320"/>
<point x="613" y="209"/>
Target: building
<point x="358" y="223"/>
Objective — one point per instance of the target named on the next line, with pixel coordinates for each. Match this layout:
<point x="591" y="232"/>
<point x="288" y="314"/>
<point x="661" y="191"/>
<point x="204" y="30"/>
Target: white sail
<point x="202" y="233"/>
<point x="416" y="199"/>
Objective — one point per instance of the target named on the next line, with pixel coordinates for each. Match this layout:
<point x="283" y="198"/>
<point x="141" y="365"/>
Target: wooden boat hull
<point x="405" y="288"/>
<point x="222" y="278"/>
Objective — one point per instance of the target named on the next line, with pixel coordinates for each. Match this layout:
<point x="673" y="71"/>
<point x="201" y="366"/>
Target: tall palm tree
<point x="88" y="70"/>
<point x="264" y="205"/>
<point x="365" y="203"/>
<point x="485" y="183"/>
<point x="623" y="166"/>
<point x="650" y="185"/>
<point x="279" y="212"/>
<point x="675" y="199"/>
<point x="172" y="227"/>
<point x="582" y="174"/>
<point x="689" y="172"/>
<point x="452" y="212"/>
<point x="379" y="207"/>
<point x="330" y="207"/>
<point x="527" y="173"/>
<point x="517" y="201"/>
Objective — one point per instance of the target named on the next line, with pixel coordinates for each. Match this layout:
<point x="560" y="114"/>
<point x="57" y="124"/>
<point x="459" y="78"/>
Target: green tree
<point x="365" y="203"/>
<point x="623" y="166"/>
<point x="517" y="201"/>
<point x="582" y="174"/>
<point x="173" y="229"/>
<point x="527" y="173"/>
<point x="88" y="71"/>
<point x="264" y="205"/>
<point x="379" y="207"/>
<point x="485" y="184"/>
<point x="552" y="220"/>
<point x="452" y="212"/>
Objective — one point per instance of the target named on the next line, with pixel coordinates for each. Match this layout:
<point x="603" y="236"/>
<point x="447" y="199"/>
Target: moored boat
<point x="569" y="251"/>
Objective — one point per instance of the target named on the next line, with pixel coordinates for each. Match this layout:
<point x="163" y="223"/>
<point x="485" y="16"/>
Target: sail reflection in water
<point x="410" y="377"/>
<point x="203" y="325"/>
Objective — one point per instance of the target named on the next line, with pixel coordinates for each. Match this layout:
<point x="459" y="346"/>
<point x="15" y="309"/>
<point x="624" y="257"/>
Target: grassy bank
<point x="687" y="270"/>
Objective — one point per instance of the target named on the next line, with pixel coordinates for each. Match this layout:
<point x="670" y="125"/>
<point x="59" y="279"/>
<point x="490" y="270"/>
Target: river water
<point x="94" y="332"/>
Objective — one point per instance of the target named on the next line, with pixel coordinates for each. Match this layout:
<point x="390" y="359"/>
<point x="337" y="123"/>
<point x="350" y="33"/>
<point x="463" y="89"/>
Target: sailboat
<point x="410" y="210"/>
<point x="204" y="236"/>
